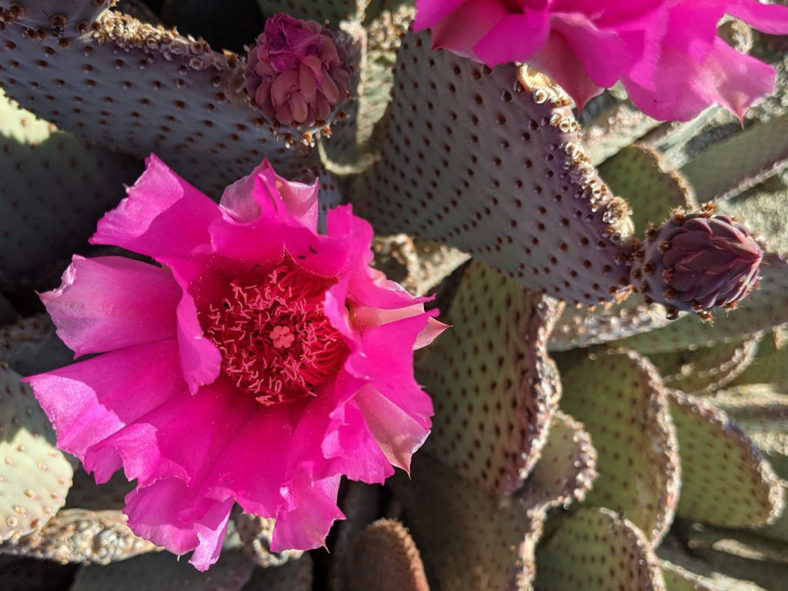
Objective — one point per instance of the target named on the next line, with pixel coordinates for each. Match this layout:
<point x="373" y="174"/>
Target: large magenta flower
<point x="666" y="52"/>
<point x="260" y="363"/>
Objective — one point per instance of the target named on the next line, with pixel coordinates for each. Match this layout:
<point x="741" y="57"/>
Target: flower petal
<point x="180" y="438"/>
<point x="462" y="29"/>
<point x="429" y="12"/>
<point x="108" y="303"/>
<point x="242" y="199"/>
<point x="89" y="401"/>
<point x="769" y="18"/>
<point x="154" y="514"/>
<point x="514" y="38"/>
<point x="311" y="508"/>
<point x="163" y="215"/>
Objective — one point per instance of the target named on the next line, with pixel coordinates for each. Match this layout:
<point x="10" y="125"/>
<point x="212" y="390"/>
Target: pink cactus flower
<point x="258" y="364"/>
<point x="297" y="72"/>
<point x="665" y="52"/>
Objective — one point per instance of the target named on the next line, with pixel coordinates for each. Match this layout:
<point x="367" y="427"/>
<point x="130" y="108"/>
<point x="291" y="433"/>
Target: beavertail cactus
<point x="696" y="262"/>
<point x="297" y="72"/>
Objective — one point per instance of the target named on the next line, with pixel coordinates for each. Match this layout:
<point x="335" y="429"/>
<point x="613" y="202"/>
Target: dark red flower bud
<point x="698" y="262"/>
<point x="297" y="72"/>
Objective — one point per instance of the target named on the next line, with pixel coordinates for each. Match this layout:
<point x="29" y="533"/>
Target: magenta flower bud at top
<point x="697" y="262"/>
<point x="297" y="72"/>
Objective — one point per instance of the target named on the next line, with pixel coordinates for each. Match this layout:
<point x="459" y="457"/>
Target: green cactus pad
<point x="770" y="365"/>
<point x="678" y="578"/>
<point x="31" y="345"/>
<point x="35" y="476"/>
<point x="762" y="210"/>
<point x="467" y="538"/>
<point x="296" y="575"/>
<point x="566" y="468"/>
<point x="580" y="326"/>
<point x="141" y="89"/>
<point x="764" y="308"/>
<point x="76" y="535"/>
<point x="779" y="529"/>
<point x="53" y="189"/>
<point x="610" y="126"/>
<point x="653" y="189"/>
<point x="740" y="161"/>
<point x="724" y="479"/>
<point x="86" y="494"/>
<point x="619" y="398"/>
<point x="596" y="549"/>
<point x="256" y="534"/>
<point x="492" y="383"/>
<point x="763" y="414"/>
<point x="707" y="369"/>
<point x="161" y="570"/>
<point x="385" y="558"/>
<point x="489" y="161"/>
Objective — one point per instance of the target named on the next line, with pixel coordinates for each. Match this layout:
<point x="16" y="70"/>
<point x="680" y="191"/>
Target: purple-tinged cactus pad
<point x="493" y="385"/>
<point x="489" y="161"/>
<point x="620" y="400"/>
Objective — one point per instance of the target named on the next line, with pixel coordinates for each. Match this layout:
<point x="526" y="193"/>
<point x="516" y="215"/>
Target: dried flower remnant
<point x="666" y="52"/>
<point x="260" y="363"/>
<point x="696" y="262"/>
<point x="298" y="72"/>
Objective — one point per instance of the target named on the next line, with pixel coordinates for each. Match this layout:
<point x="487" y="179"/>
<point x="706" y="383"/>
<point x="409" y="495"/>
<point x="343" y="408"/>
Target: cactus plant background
<point x="589" y="431"/>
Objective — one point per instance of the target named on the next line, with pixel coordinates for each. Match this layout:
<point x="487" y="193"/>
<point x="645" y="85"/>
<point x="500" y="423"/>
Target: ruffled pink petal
<point x="242" y="198"/>
<point x="683" y="88"/>
<point x="559" y="61"/>
<point x="180" y="438"/>
<point x="366" y="316"/>
<point x="154" y="514"/>
<point x="108" y="303"/>
<point x="603" y="53"/>
<point x="736" y="80"/>
<point x="769" y="18"/>
<point x="310" y="510"/>
<point x="385" y="361"/>
<point x="163" y="215"/>
<point x="89" y="401"/>
<point x="429" y="12"/>
<point x="514" y="38"/>
<point x="462" y="29"/>
<point x="397" y="433"/>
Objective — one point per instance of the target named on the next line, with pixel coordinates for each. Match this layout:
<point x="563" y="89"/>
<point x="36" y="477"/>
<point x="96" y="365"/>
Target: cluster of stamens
<point x="275" y="340"/>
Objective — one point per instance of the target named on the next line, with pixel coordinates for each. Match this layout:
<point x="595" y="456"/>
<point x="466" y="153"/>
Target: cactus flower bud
<point x="696" y="262"/>
<point x="297" y="72"/>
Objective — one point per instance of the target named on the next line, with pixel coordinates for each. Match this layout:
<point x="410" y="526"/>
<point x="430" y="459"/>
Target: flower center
<point x="276" y="342"/>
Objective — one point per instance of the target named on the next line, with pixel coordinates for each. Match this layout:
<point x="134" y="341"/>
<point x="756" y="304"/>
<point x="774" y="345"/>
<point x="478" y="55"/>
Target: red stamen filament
<point x="276" y="342"/>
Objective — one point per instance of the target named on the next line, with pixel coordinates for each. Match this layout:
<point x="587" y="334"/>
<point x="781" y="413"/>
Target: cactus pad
<point x="75" y="535"/>
<point x="724" y="478"/>
<point x="296" y="575"/>
<point x="489" y="161"/>
<point x="142" y="89"/>
<point x="707" y="369"/>
<point x="31" y="346"/>
<point x="161" y="570"/>
<point x="86" y="494"/>
<point x="619" y="398"/>
<point x="741" y="161"/>
<point x="53" y="190"/>
<point x="385" y="558"/>
<point x="35" y="476"/>
<point x="493" y="386"/>
<point x="643" y="177"/>
<point x="595" y="549"/>
<point x="467" y="538"/>
<point x="256" y="534"/>
<point x="566" y="468"/>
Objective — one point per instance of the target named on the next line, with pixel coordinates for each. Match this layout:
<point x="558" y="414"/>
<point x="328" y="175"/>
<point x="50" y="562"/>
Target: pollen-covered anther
<point x="276" y="342"/>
